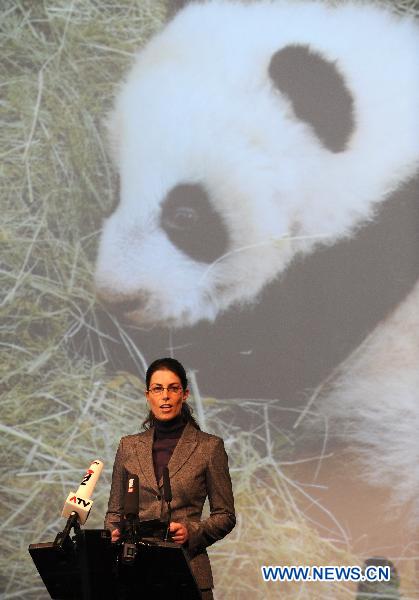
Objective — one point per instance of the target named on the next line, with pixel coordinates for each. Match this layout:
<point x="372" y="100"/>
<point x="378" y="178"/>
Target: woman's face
<point x="165" y="395"/>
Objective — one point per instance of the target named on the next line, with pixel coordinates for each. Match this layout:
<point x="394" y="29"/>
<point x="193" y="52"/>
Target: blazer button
<point x="158" y="497"/>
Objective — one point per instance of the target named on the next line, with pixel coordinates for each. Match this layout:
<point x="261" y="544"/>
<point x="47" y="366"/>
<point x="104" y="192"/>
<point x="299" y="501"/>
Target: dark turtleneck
<point x="166" y="436"/>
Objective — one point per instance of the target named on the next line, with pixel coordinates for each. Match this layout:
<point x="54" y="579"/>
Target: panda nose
<point x="118" y="303"/>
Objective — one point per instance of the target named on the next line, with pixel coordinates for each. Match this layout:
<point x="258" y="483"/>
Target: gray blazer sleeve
<point x="118" y="485"/>
<point x="220" y="495"/>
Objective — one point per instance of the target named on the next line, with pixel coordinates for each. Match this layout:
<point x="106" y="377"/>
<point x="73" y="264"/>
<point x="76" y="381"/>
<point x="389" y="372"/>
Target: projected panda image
<point x="233" y="183"/>
<point x="266" y="230"/>
<point x="265" y="185"/>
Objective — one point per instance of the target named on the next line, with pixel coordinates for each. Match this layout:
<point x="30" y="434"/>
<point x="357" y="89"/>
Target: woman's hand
<point x="179" y="532"/>
<point x="115" y="535"/>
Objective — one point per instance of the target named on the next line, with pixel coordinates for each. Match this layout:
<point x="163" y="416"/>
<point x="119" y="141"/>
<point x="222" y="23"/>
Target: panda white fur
<point x="225" y="178"/>
<point x="372" y="407"/>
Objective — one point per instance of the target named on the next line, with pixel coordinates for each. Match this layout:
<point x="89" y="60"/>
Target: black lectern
<point x="89" y="567"/>
<point x="82" y="569"/>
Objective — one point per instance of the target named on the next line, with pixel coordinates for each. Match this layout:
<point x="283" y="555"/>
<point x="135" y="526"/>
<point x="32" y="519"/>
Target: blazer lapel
<point x="183" y="450"/>
<point x="144" y="451"/>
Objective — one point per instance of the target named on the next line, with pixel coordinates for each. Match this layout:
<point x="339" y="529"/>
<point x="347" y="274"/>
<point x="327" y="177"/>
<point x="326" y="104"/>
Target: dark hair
<point x="167" y="364"/>
<point x="173" y="365"/>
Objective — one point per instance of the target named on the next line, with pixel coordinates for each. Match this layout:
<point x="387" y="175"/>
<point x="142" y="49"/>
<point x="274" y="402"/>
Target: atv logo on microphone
<point x="79" y="501"/>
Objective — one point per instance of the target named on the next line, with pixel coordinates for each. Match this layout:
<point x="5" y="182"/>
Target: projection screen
<point x="234" y="184"/>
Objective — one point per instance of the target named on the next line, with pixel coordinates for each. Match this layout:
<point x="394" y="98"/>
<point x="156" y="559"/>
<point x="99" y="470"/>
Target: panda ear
<point x="317" y="92"/>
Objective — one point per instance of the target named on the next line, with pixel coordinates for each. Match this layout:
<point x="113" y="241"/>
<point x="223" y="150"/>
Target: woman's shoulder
<point x="202" y="437"/>
<point x="208" y="438"/>
<point x="134" y="438"/>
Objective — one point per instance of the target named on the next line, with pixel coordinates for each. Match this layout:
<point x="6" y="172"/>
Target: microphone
<point x="132" y="499"/>
<point x="77" y="506"/>
<point x="131" y="509"/>
<point x="167" y="488"/>
<point x="81" y="502"/>
<point x="167" y="495"/>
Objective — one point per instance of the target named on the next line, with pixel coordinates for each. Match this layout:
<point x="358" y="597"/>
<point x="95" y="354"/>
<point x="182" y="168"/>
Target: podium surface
<point x="89" y="567"/>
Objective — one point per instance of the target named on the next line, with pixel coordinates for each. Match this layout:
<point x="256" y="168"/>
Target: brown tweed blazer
<point x="198" y="468"/>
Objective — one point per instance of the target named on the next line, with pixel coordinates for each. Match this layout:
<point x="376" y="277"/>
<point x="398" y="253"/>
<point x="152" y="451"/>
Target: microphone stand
<point x="169" y="518"/>
<point x="167" y="494"/>
<point x="129" y="548"/>
<point x="63" y="537"/>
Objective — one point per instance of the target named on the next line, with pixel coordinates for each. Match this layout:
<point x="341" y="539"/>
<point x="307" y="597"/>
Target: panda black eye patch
<point x="192" y="225"/>
<point x="317" y="92"/>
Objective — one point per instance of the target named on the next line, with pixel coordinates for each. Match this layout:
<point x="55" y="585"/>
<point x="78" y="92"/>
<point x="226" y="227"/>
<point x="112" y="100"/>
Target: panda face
<point x="246" y="134"/>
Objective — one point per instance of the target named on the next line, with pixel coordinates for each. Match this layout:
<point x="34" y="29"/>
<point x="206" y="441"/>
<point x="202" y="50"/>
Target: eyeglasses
<point x="157" y="390"/>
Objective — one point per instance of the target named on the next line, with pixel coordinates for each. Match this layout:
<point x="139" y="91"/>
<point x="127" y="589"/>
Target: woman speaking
<point x="198" y="467"/>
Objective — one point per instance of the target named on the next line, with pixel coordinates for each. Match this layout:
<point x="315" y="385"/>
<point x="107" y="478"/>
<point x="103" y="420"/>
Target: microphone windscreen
<point x="81" y="501"/>
<point x="90" y="479"/>
<point x="167" y="488"/>
<point x="132" y="496"/>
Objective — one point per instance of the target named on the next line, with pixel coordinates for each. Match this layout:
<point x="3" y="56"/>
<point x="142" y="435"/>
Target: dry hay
<point x="61" y="62"/>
